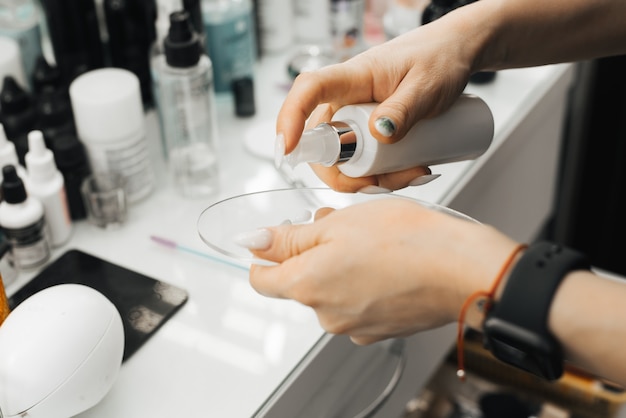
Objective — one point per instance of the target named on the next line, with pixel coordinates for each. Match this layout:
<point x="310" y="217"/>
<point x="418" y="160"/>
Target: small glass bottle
<point x="187" y="109"/>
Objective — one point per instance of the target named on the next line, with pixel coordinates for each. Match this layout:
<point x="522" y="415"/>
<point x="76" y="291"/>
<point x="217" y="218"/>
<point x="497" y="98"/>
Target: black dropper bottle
<point x="71" y="159"/>
<point x="19" y="114"/>
<point x="55" y="116"/>
<point x="74" y="35"/>
<point x="46" y="78"/>
<point x="13" y="190"/>
<point x="132" y="31"/>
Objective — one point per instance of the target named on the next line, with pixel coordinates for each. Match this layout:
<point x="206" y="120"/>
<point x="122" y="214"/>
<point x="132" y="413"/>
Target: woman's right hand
<point x="414" y="76"/>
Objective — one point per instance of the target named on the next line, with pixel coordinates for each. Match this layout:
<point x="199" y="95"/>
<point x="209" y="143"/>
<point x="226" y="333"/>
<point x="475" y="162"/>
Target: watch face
<point x="527" y="350"/>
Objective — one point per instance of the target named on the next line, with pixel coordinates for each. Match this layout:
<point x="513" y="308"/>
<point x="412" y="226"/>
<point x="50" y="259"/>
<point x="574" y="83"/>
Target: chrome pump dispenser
<point x="463" y="132"/>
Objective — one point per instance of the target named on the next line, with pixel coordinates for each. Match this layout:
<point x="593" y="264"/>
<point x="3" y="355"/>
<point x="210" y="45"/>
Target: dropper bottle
<point x="463" y="132"/>
<point x="45" y="182"/>
<point x="23" y="223"/>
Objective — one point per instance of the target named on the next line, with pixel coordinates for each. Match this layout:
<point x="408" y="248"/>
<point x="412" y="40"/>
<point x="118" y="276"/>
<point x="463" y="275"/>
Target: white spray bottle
<point x="463" y="132"/>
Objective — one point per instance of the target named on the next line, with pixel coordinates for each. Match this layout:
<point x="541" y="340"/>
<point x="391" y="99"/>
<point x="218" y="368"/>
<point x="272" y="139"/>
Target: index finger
<point x="339" y="84"/>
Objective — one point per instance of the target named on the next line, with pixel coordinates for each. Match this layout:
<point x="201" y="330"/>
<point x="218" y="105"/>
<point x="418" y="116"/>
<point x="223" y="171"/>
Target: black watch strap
<point x="516" y="328"/>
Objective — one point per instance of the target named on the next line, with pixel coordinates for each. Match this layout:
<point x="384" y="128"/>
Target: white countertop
<point x="228" y="348"/>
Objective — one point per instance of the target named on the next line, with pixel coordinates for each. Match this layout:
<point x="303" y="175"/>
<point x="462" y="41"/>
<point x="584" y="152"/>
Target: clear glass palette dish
<point x="221" y="222"/>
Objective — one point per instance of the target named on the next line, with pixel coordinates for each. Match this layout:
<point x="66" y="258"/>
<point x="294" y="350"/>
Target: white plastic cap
<point x="11" y="61"/>
<point x="40" y="163"/>
<point x="107" y="105"/>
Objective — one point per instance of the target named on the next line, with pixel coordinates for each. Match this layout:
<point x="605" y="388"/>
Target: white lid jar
<point x="110" y="120"/>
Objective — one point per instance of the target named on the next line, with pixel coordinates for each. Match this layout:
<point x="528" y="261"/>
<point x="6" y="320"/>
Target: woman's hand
<point x="377" y="270"/>
<point x="415" y="76"/>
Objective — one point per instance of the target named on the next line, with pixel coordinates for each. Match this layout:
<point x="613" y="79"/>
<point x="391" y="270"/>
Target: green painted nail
<point x="385" y="126"/>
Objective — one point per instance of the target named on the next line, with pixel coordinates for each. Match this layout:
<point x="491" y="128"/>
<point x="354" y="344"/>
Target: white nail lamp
<point x="60" y="353"/>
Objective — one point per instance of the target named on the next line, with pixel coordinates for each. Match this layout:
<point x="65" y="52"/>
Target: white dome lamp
<point x="60" y="353"/>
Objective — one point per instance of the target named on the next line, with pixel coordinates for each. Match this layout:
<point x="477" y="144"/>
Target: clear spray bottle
<point x="463" y="132"/>
<point x="186" y="108"/>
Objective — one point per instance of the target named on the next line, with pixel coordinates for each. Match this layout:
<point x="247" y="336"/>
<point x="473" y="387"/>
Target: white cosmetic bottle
<point x="45" y="182"/>
<point x="23" y="223"/>
<point x="8" y="154"/>
<point x="463" y="132"/>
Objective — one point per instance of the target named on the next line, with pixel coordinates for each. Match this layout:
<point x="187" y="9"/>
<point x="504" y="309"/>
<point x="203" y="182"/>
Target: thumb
<point x="278" y="243"/>
<point x="394" y="117"/>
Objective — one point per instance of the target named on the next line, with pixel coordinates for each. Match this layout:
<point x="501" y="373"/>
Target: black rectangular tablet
<point x="143" y="302"/>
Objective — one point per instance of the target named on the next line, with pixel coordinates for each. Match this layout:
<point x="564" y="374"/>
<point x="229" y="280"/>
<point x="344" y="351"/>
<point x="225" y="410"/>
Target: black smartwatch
<point x="516" y="327"/>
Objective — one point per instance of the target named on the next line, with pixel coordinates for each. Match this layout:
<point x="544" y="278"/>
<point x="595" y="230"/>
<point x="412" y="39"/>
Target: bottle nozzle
<point x="327" y="144"/>
<point x="40" y="162"/>
<point x="36" y="143"/>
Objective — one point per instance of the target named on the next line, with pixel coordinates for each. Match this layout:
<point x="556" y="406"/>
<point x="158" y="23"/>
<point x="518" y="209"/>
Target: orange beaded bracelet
<point x="488" y="301"/>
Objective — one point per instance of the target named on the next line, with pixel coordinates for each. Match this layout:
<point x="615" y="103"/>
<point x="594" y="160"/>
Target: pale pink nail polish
<point x="371" y="189"/>
<point x="279" y="150"/>
<point x="260" y="239"/>
<point x="425" y="179"/>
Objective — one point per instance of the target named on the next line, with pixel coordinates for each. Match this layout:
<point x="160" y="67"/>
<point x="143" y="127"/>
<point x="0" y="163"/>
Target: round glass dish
<point x="221" y="222"/>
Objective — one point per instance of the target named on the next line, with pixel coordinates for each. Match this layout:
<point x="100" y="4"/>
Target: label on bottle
<point x="29" y="245"/>
<point x="129" y="158"/>
<point x="189" y="125"/>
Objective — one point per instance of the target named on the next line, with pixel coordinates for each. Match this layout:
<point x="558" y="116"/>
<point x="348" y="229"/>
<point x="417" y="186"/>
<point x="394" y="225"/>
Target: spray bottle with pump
<point x="463" y="132"/>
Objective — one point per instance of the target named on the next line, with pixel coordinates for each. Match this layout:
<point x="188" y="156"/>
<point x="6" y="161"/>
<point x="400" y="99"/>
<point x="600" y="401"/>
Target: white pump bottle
<point x="463" y="132"/>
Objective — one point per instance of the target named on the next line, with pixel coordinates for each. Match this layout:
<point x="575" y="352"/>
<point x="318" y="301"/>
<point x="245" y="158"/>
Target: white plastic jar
<point x="110" y="121"/>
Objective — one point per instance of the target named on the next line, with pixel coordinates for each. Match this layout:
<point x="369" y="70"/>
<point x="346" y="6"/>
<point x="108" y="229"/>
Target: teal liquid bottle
<point x="19" y="19"/>
<point x="230" y="40"/>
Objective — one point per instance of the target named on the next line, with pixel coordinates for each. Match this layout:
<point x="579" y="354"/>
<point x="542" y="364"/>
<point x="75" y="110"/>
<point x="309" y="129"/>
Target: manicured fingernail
<point x="371" y="189"/>
<point x="385" y="126"/>
<point x="279" y="150"/>
<point x="260" y="239"/>
<point x="421" y="180"/>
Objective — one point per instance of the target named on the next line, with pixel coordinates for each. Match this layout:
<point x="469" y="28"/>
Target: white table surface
<point x="229" y="348"/>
